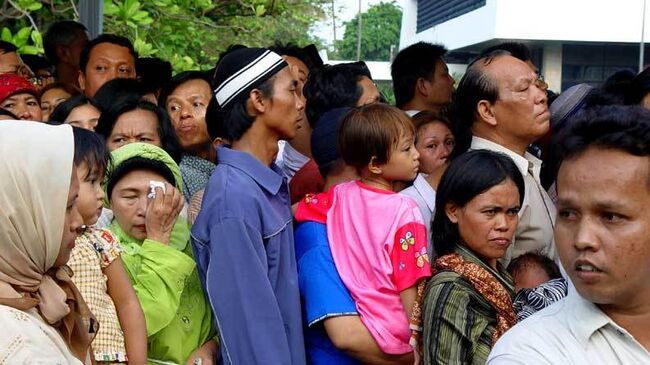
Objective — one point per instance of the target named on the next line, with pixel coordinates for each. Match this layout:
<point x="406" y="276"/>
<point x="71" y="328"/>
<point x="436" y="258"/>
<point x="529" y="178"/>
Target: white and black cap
<point x="241" y="70"/>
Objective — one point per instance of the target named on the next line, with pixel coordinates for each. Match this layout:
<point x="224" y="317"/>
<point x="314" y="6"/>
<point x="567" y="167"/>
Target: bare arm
<point x="408" y="298"/>
<point x="129" y="312"/>
<point x="349" y="335"/>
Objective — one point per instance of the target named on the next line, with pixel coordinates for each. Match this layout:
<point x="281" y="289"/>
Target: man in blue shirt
<point x="243" y="236"/>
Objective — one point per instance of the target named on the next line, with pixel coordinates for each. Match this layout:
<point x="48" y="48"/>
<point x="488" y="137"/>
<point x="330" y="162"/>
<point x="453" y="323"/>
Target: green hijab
<point x="180" y="235"/>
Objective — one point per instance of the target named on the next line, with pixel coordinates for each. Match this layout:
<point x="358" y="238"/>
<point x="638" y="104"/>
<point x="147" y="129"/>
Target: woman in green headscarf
<point x="157" y="254"/>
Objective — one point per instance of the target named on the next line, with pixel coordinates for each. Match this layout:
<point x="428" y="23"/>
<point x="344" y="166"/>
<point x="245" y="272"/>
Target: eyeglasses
<point x="540" y="83"/>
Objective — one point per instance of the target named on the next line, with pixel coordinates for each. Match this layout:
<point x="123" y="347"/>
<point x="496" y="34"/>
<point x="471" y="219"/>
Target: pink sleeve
<point x="409" y="255"/>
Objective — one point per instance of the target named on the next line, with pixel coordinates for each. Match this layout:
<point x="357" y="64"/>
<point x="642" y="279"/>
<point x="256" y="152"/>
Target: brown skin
<point x="603" y="221"/>
<point x="72" y="222"/>
<point x="187" y="106"/>
<point x="67" y="68"/>
<point x="434" y="93"/>
<point x="487" y="223"/>
<point x="302" y="141"/>
<point x="84" y="116"/>
<point x="138" y="125"/>
<point x="276" y="118"/>
<point x="25" y="106"/>
<point x="50" y="99"/>
<point x="10" y="62"/>
<point x="520" y="115"/>
<point x="107" y="61"/>
<point x="402" y="165"/>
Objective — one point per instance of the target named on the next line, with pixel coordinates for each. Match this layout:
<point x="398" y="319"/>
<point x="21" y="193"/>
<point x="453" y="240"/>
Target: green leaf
<point x="37" y="38"/>
<point x="6" y="34"/>
<point x="110" y="8"/>
<point x="23" y="33"/>
<point x="259" y="10"/>
<point x="30" y="50"/>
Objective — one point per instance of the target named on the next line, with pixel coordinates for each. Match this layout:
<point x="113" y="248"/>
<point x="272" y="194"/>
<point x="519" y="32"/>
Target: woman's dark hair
<point x="117" y="91"/>
<point x="137" y="163"/>
<point x="90" y="148"/>
<point x="179" y="80"/>
<point x="467" y="176"/>
<point x="233" y="120"/>
<point x="166" y="132"/>
<point x="638" y="88"/>
<point x="333" y="87"/>
<point x="63" y="110"/>
<point x="69" y="88"/>
<point x="8" y="113"/>
<point x="476" y="85"/>
<point x="425" y="117"/>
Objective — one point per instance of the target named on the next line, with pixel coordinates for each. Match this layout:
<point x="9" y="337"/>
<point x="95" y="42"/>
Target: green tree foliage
<point x="189" y="33"/>
<point x="380" y="27"/>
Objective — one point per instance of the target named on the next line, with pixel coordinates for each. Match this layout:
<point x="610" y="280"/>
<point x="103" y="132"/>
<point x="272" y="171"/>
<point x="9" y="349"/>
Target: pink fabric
<point x="378" y="243"/>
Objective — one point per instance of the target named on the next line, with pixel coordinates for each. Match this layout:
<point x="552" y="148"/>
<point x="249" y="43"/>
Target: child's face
<point x="403" y="161"/>
<point x="91" y="194"/>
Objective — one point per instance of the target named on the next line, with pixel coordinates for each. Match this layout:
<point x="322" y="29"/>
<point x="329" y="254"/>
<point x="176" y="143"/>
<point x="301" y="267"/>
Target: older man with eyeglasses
<point x="502" y="106"/>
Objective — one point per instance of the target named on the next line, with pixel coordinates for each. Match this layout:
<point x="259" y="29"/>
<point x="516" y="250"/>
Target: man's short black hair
<point x="61" y="33"/>
<point x="105" y="38"/>
<point x="333" y="86"/>
<point x="413" y="62"/>
<point x="6" y="47"/>
<point x="153" y="72"/>
<point x="308" y="54"/>
<point x="179" y="80"/>
<point x="516" y="49"/>
<point x="625" y="128"/>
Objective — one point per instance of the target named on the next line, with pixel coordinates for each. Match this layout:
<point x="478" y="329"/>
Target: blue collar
<point x="268" y="177"/>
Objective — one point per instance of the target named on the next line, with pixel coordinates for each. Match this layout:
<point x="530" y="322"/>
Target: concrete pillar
<point x="91" y="14"/>
<point x="552" y="65"/>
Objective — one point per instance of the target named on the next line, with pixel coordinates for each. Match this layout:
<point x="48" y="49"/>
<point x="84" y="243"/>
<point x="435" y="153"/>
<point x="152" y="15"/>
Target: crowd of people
<point x="277" y="210"/>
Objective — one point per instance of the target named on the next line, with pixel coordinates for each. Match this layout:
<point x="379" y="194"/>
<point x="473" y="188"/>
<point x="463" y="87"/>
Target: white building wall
<point x="557" y="20"/>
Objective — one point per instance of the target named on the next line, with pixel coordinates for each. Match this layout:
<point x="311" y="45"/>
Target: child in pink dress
<point x="377" y="237"/>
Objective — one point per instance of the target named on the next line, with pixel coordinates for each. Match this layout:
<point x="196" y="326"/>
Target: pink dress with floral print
<point x="378" y="243"/>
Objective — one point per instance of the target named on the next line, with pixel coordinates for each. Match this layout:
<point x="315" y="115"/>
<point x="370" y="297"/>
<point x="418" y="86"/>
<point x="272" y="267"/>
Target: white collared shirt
<point x="425" y="197"/>
<point x="571" y="331"/>
<point x="537" y="213"/>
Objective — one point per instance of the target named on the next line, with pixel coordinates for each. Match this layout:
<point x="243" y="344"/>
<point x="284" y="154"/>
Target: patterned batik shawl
<point x="485" y="284"/>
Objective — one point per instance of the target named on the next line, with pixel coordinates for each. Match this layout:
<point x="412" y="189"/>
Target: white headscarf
<point x="36" y="163"/>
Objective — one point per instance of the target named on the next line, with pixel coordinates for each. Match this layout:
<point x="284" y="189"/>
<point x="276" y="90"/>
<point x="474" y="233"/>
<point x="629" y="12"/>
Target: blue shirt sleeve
<point x="324" y="294"/>
<point x="247" y="313"/>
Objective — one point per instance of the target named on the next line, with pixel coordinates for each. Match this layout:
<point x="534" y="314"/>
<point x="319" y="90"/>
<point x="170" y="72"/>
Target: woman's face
<point x="138" y="125"/>
<point x="25" y="106"/>
<point x="129" y="201"/>
<point x="72" y="222"/>
<point x="487" y="223"/>
<point x="84" y="116"/>
<point x="50" y="99"/>
<point x="434" y="143"/>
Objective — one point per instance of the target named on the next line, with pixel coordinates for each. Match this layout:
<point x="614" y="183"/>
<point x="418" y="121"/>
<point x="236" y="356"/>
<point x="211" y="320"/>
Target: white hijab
<point x="36" y="162"/>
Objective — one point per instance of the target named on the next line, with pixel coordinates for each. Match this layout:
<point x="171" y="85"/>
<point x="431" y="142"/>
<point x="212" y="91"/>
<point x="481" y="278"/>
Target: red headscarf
<point x="12" y="84"/>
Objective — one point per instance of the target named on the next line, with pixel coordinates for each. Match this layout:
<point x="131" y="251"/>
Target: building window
<point x="434" y="12"/>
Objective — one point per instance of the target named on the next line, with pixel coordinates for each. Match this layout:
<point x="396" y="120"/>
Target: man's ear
<point x="374" y="167"/>
<point x="422" y="87"/>
<point x="451" y="210"/>
<point x="485" y="111"/>
<point x="82" y="80"/>
<point x="257" y="102"/>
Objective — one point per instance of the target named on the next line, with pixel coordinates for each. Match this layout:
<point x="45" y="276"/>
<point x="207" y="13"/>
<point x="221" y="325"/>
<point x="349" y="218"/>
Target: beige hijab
<point x="35" y="170"/>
